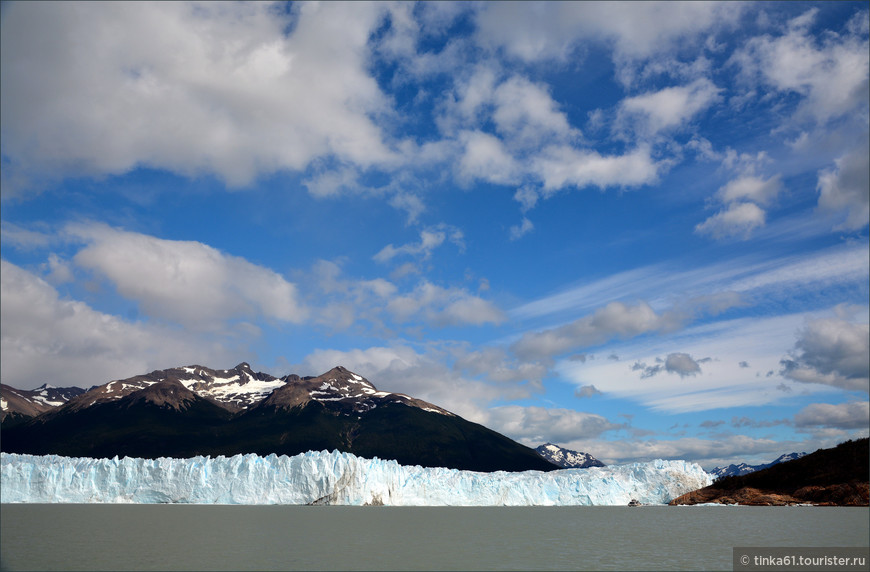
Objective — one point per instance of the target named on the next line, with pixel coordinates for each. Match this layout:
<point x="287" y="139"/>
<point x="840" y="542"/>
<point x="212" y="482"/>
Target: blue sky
<point x="636" y="230"/>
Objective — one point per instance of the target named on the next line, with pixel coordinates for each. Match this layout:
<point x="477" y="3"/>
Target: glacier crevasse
<point x="331" y="478"/>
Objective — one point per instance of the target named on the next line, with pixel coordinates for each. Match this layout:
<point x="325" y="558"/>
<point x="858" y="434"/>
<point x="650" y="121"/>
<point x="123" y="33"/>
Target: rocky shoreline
<point x="845" y="494"/>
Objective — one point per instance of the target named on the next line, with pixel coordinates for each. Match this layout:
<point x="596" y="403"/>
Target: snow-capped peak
<point x="344" y="390"/>
<point x="566" y="458"/>
<point x="241" y="388"/>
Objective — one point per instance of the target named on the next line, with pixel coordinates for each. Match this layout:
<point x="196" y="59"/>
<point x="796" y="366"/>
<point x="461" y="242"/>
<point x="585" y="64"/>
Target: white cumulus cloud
<point x="223" y="88"/>
<point x="185" y="282"/>
<point x="49" y="339"/>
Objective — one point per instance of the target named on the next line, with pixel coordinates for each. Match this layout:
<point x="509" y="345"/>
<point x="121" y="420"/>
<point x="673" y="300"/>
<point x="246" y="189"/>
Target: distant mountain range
<point x="744" y="469"/>
<point x="188" y="411"/>
<point x="566" y="458"/>
<point x="22" y="404"/>
<point x="839" y="476"/>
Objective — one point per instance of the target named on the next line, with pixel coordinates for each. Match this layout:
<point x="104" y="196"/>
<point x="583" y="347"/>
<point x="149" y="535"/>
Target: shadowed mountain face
<point x="838" y="476"/>
<point x="189" y="411"/>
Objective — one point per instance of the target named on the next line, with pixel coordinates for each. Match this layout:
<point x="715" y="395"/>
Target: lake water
<point x="199" y="537"/>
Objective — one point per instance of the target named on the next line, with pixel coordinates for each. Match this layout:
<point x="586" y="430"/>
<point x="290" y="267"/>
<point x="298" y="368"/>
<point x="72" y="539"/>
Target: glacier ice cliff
<point x="331" y="478"/>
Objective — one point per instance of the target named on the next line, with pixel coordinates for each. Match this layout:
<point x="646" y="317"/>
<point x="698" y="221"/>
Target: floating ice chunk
<point x="331" y="478"/>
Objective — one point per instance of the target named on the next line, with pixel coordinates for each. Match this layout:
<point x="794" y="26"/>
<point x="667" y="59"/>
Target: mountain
<point x="566" y="458"/>
<point x="838" y="476"/>
<point x="189" y="411"/>
<point x="744" y="469"/>
<point x="17" y="405"/>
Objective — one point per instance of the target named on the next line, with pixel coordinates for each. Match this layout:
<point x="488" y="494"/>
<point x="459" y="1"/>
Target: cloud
<point x="343" y="302"/>
<point x="469" y="100"/>
<point x="443" y="307"/>
<point x="751" y="188"/>
<point x="47" y="339"/>
<point x="613" y="320"/>
<point x="708" y="452"/>
<point x="586" y="391"/>
<point x="430" y="239"/>
<point x="527" y="197"/>
<point x="666" y="109"/>
<point x="831" y="75"/>
<point x="332" y="183"/>
<point x="495" y="364"/>
<point x="537" y="425"/>
<point x="562" y="166"/>
<point x="742" y="422"/>
<point x="485" y="158"/>
<point x="732" y="283"/>
<point x="742" y="197"/>
<point x="59" y="270"/>
<point x="93" y="89"/>
<point x="679" y="363"/>
<point x="722" y="382"/>
<point x="23" y="238"/>
<point x="410" y="203"/>
<point x="553" y="30"/>
<point x="617" y="320"/>
<point x="520" y="230"/>
<point x="739" y="219"/>
<point x="852" y="415"/>
<point x="186" y="282"/>
<point x="846" y="188"/>
<point x="511" y="131"/>
<point x="526" y="115"/>
<point x="831" y="351"/>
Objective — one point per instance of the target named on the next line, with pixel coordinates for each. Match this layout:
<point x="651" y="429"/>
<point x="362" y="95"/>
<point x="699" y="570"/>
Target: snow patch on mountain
<point x="331" y="478"/>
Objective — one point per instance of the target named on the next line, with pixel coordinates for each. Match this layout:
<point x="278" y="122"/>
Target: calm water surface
<point x="197" y="537"/>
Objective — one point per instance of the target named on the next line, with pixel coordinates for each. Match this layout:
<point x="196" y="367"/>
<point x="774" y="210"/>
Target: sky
<point x="637" y="230"/>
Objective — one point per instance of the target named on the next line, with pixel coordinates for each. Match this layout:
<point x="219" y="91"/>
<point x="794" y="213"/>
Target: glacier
<point x="331" y="478"/>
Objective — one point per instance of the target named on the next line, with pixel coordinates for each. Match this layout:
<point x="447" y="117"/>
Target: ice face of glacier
<point x="331" y="478"/>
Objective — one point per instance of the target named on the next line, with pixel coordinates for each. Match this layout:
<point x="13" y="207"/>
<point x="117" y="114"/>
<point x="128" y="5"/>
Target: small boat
<point x="634" y="502"/>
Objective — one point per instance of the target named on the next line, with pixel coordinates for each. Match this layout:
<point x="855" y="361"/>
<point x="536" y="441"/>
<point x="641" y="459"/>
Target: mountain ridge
<point x="739" y="469"/>
<point x="839" y="476"/>
<point x="566" y="458"/>
<point x="194" y="410"/>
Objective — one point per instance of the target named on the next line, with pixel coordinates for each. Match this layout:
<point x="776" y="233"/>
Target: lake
<point x="225" y="537"/>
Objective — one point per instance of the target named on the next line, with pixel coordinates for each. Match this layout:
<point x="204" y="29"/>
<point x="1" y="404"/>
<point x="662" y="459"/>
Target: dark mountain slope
<point x="836" y="476"/>
<point x="162" y="420"/>
<point x="162" y="415"/>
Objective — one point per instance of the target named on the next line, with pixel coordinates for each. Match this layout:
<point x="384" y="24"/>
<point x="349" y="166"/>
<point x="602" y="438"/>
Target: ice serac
<point x="331" y="478"/>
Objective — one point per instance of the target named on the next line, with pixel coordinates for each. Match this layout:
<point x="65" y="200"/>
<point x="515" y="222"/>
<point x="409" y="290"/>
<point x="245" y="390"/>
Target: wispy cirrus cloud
<point x="842" y="264"/>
